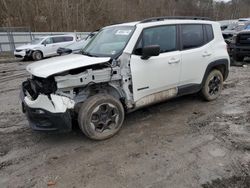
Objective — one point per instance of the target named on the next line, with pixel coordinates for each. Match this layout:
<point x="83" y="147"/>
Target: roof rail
<point x="154" y="19"/>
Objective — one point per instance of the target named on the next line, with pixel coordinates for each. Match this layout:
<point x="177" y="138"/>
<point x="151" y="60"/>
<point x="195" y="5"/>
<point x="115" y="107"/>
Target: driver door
<point x="158" y="73"/>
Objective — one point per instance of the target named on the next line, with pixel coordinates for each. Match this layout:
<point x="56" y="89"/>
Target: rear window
<point x="192" y="36"/>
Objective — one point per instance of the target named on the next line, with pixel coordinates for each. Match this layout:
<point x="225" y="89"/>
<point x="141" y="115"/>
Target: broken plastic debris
<point x="51" y="183"/>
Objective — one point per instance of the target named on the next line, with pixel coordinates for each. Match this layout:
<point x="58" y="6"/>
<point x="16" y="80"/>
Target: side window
<point x="67" y="39"/>
<point x="58" y="39"/>
<point x="192" y="36"/>
<point x="164" y="36"/>
<point x="210" y="33"/>
<point x="48" y="41"/>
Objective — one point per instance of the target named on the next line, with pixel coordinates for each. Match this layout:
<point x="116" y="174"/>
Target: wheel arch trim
<point x="215" y="64"/>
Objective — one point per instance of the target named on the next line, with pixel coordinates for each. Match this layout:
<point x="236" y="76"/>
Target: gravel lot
<point x="185" y="142"/>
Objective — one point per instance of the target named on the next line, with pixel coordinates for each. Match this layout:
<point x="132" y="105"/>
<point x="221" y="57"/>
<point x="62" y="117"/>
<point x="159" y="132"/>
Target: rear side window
<point x="58" y="39"/>
<point x="164" y="36"/>
<point x="192" y="36"/>
<point x="209" y="32"/>
<point x="67" y="39"/>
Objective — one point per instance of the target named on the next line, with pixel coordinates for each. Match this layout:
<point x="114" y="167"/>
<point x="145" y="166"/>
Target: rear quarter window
<point x="209" y="32"/>
<point x="68" y="38"/>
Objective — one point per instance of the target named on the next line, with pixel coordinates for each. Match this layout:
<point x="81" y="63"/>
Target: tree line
<point x="90" y="15"/>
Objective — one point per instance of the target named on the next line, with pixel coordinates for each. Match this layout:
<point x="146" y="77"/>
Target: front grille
<point x="243" y="39"/>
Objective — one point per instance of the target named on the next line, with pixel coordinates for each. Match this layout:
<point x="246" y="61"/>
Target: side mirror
<point x="44" y="43"/>
<point x="149" y="51"/>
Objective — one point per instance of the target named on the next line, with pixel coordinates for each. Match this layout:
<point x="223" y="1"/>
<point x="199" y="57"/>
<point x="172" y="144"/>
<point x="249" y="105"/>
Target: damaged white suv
<point x="123" y="68"/>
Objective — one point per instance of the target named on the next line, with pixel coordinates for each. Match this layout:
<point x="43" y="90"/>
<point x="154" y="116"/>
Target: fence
<point x="12" y="37"/>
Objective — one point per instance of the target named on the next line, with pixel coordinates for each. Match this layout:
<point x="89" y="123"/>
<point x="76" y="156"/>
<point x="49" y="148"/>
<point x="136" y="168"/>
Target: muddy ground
<point x="185" y="142"/>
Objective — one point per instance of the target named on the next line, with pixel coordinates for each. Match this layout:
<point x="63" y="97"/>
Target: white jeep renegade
<point x="123" y="68"/>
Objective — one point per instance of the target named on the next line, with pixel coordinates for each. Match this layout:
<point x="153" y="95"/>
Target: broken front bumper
<point x="22" y="53"/>
<point x="46" y="114"/>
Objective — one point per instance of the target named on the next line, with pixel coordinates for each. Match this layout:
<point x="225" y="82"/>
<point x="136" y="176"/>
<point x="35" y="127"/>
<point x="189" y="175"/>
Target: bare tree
<point x="89" y="15"/>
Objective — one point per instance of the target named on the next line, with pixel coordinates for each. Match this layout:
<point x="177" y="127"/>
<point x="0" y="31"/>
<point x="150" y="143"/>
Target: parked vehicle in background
<point x="225" y="23"/>
<point x="123" y="68"/>
<point x="244" y="19"/>
<point x="234" y="29"/>
<point x="75" y="47"/>
<point x="43" y="46"/>
<point x="239" y="48"/>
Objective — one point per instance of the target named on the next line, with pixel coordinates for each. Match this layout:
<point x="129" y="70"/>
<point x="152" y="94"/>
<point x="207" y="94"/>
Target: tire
<point x="213" y="85"/>
<point x="37" y="55"/>
<point x="101" y="116"/>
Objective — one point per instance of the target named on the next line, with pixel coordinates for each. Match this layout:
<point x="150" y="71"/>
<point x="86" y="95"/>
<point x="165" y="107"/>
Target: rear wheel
<point x="37" y="55"/>
<point x="213" y="85"/>
<point x="101" y="116"/>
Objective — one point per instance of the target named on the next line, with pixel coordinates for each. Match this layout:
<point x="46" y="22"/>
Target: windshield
<point x="236" y="26"/>
<point x="36" y="40"/>
<point x="109" y="41"/>
<point x="232" y="26"/>
<point x="248" y="27"/>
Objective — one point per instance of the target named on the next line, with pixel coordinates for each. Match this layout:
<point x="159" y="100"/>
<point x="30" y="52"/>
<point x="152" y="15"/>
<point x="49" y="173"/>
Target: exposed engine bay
<point x="80" y="83"/>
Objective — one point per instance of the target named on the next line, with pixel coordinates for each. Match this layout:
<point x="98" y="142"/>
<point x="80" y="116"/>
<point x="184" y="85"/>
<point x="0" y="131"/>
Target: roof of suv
<point x="155" y="21"/>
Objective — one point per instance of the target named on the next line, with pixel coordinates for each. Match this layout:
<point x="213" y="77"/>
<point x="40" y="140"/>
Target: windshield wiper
<point x="88" y="54"/>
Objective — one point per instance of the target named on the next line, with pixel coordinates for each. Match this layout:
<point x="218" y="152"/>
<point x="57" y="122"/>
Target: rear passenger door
<point x="196" y="52"/>
<point x="158" y="73"/>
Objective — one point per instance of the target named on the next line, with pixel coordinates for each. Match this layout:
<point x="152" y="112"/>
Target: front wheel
<point x="37" y="55"/>
<point x="101" y="116"/>
<point x="213" y="85"/>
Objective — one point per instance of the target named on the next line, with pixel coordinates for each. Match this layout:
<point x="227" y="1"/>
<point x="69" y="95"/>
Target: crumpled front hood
<point x="48" y="67"/>
<point x="26" y="46"/>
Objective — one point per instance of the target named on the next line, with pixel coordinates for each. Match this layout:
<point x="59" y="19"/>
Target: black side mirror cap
<point x="149" y="51"/>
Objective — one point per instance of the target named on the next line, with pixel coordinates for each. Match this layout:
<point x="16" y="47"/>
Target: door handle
<point x="173" y="61"/>
<point x="206" y="54"/>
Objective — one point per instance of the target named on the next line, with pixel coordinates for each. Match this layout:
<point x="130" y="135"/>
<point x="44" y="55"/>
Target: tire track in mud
<point x="230" y="125"/>
<point x="12" y="75"/>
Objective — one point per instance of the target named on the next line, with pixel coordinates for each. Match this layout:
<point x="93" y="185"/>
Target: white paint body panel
<point x="156" y="73"/>
<point x="195" y="61"/>
<point x="159" y="75"/>
<point x="48" y="67"/>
